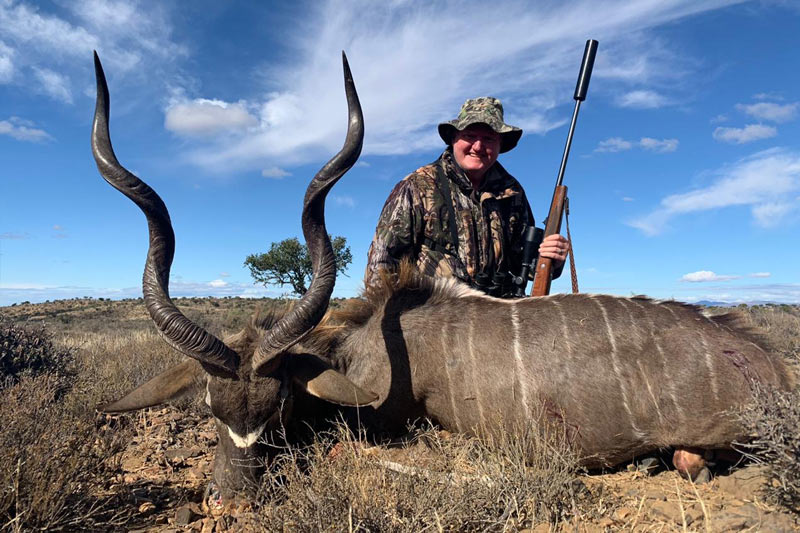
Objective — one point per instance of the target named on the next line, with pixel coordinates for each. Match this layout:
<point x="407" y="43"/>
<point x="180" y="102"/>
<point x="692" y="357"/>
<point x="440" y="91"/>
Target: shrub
<point x="774" y="420"/>
<point x="29" y="351"/>
<point x="54" y="467"/>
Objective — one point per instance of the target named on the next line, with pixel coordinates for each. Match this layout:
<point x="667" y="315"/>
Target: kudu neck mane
<point x="405" y="288"/>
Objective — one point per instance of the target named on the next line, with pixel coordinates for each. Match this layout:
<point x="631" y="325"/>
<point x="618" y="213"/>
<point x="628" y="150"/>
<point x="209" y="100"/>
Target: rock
<point x="178" y="455"/>
<point x="671" y="512"/>
<point x="730" y="522"/>
<point x="605" y="522"/>
<point x="129" y="464"/>
<point x="648" y="465"/>
<point x="632" y="492"/>
<point x="738" y="518"/>
<point x="622" y="513"/>
<point x="185" y="516"/>
<point x="745" y="483"/>
<point x="778" y="523"/>
<point x="654" y="494"/>
<point x="208" y="525"/>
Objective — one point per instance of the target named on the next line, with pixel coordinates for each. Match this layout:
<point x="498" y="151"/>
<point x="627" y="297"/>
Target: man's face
<point x="476" y="148"/>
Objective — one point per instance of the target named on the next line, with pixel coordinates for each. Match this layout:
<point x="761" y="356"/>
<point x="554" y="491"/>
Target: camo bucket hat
<point x="484" y="110"/>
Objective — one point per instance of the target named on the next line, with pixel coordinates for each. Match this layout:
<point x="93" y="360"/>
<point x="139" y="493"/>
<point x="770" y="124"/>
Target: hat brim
<point x="508" y="138"/>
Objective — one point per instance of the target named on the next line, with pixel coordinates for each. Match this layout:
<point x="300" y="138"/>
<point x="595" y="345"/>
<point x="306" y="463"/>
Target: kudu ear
<point x="319" y="379"/>
<point x="171" y="384"/>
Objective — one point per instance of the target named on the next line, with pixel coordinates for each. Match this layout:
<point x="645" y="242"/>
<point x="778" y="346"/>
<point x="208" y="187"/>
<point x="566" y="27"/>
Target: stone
<point x="208" y="525"/>
<point x="745" y="483"/>
<point x="657" y="495"/>
<point x="738" y="518"/>
<point x="779" y="523"/>
<point x="671" y="512"/>
<point x="622" y="513"/>
<point x="185" y="516"/>
<point x="178" y="455"/>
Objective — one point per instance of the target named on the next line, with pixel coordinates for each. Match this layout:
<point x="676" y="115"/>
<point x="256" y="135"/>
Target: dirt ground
<point x="169" y="462"/>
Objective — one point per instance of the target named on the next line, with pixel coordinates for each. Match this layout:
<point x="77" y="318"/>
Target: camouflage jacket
<point x="416" y="223"/>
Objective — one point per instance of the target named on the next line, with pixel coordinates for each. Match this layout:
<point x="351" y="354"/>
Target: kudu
<point x="626" y="376"/>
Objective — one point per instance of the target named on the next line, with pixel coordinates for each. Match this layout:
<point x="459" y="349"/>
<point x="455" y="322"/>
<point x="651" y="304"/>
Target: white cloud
<point x="275" y="172"/>
<point x="750" y="133"/>
<point x="217" y="283"/>
<point x="705" y="276"/>
<point x="614" y="144"/>
<point x="642" y="99"/>
<point x="53" y="84"/>
<point x="618" y="144"/>
<point x="770" y="111"/>
<point x="14" y="236"/>
<point x="768" y="96"/>
<point x="52" y="47"/>
<point x="403" y="58"/>
<point x="344" y="200"/>
<point x="627" y="199"/>
<point x="788" y="293"/>
<point x="6" y="63"/>
<point x="759" y="275"/>
<point x="770" y="214"/>
<point x="224" y="275"/>
<point x="659" y="145"/>
<point x="22" y="130"/>
<point x="202" y="117"/>
<point x="742" y="184"/>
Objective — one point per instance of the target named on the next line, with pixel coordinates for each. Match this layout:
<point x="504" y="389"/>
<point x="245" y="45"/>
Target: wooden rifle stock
<point x="544" y="265"/>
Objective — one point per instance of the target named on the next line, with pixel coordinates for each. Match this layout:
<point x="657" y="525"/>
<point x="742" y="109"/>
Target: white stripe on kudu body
<point x="520" y="365"/>
<point x="450" y="388"/>
<point x="474" y="366"/>
<point x="615" y="364"/>
<point x="712" y="375"/>
<point x="566" y="337"/>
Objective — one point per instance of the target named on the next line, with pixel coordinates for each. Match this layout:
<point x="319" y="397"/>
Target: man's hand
<point x="554" y="247"/>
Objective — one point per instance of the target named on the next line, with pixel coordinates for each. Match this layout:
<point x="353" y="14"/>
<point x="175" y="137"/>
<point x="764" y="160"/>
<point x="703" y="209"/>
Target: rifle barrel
<point x="581" y="87"/>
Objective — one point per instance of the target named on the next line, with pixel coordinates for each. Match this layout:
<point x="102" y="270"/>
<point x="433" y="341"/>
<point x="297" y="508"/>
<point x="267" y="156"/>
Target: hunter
<point x="462" y="215"/>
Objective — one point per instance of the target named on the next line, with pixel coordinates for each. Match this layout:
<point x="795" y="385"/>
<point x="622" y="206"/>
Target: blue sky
<point x="684" y="175"/>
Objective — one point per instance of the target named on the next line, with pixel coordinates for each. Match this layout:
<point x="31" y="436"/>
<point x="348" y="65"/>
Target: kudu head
<point x="248" y="384"/>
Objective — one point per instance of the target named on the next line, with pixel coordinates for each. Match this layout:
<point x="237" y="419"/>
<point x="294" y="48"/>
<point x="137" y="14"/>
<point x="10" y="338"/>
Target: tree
<point x="288" y="263"/>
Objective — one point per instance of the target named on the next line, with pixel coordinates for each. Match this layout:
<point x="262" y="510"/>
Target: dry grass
<point x="54" y="465"/>
<point x="456" y="484"/>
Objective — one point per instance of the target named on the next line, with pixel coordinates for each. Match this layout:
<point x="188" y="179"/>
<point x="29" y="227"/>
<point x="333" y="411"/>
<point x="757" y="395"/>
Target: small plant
<point x="774" y="420"/>
<point x="29" y="351"/>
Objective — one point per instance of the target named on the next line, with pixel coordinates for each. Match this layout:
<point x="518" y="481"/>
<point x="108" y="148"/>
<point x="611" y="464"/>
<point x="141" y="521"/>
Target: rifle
<point x="544" y="265"/>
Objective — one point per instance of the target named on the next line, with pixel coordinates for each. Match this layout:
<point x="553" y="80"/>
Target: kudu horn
<point x="180" y="332"/>
<point x="312" y="306"/>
